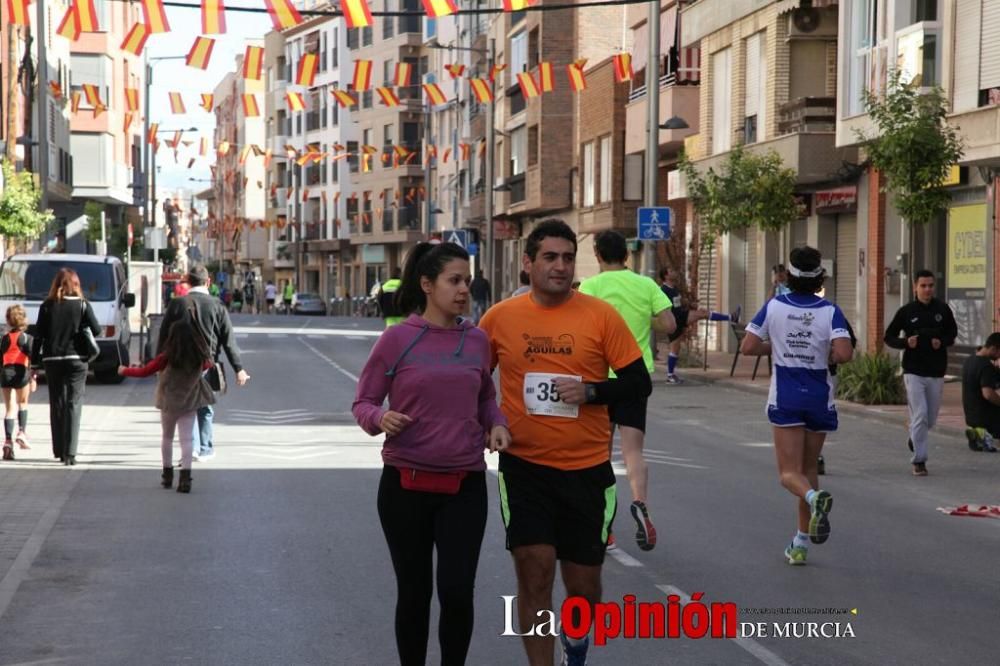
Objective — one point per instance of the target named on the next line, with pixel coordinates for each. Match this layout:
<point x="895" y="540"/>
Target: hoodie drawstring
<point x="391" y="372"/>
<point x="461" y="342"/>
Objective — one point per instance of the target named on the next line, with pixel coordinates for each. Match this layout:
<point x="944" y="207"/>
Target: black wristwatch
<point x="591" y="392"/>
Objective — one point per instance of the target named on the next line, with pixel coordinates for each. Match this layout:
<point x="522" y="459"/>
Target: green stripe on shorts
<point x="504" y="507"/>
<point x="610" y="505"/>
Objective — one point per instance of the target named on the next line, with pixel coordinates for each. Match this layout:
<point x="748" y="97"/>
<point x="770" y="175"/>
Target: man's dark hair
<point x="550" y="228"/>
<point x="922" y="273"/>
<point x="197" y="275"/>
<point x="806" y="259"/>
<point x="524" y="278"/>
<point x="611" y="247"/>
<point x="664" y="273"/>
<point x="993" y="340"/>
<point x="396" y="274"/>
<point x="778" y="268"/>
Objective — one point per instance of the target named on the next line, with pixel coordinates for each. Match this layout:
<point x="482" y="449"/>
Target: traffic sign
<point x="654" y="223"/>
<point x="456" y="236"/>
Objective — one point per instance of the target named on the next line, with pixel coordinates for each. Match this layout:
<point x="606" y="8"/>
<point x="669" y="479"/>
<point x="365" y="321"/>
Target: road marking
<point x="287" y="454"/>
<point x="325" y="332"/>
<point x="758" y="445"/>
<point x="624" y="558"/>
<point x="330" y="361"/>
<point x="762" y="654"/>
<point x="303" y="327"/>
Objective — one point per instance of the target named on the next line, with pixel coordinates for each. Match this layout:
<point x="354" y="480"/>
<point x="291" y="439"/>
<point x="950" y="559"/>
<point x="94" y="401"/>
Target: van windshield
<point x="30" y="280"/>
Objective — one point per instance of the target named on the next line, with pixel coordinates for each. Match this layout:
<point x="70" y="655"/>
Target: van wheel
<point x="109" y="377"/>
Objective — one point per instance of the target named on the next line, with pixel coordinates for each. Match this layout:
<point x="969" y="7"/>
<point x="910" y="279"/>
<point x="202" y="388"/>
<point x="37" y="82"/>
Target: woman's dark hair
<point x="611" y="247"/>
<point x="185" y="346"/>
<point x="65" y="283"/>
<point x="806" y="259"/>
<point x="550" y="228"/>
<point x="426" y="260"/>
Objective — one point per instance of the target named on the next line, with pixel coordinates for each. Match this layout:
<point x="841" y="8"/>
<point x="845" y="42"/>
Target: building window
<point x="366" y="36"/>
<point x="388" y="22"/>
<point x="387" y="210"/>
<point x="588" y="175"/>
<point x="533" y="145"/>
<point x="334" y="48"/>
<point x="534" y="49"/>
<point x="518" y="54"/>
<point x="352" y="155"/>
<point x="518" y="151"/>
<point x="721" y="101"/>
<point x="430" y="28"/>
<point x="412" y="22"/>
<point x="755" y="100"/>
<point x="516" y="99"/>
<point x="388" y="70"/>
<point x="352" y="38"/>
<point x="605" y="170"/>
<point x="280" y="69"/>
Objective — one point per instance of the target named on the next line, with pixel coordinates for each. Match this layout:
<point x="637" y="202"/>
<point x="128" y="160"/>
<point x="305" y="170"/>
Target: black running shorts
<point x="569" y="509"/>
<point x="681" y="317"/>
<point x="630" y="413"/>
<point x="14" y="377"/>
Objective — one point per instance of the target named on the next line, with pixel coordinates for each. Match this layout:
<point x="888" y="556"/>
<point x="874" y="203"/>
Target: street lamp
<point x="149" y="164"/>
<point x="221" y="221"/>
<point x="674" y="123"/>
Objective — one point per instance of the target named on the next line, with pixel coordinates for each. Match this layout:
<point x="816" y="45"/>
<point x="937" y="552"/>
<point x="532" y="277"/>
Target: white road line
<point x="754" y="648"/>
<point x="304" y="326"/>
<point x="624" y="558"/>
<point x="325" y="332"/>
<point x="330" y="361"/>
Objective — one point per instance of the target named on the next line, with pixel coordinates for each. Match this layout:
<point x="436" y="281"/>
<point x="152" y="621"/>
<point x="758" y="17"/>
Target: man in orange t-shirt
<point x="557" y="488"/>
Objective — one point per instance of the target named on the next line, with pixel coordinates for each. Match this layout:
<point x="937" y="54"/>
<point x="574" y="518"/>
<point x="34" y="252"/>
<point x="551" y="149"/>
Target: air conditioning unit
<point x="812" y="23"/>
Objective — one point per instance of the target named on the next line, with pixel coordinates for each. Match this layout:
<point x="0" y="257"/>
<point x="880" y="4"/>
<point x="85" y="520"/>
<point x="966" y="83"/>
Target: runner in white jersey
<point x="805" y="335"/>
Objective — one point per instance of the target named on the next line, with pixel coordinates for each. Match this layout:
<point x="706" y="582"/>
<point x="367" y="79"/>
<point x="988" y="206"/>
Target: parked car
<point x="308" y="304"/>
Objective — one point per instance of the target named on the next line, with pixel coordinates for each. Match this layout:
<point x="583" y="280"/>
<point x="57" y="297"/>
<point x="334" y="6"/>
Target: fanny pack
<point x="445" y="483"/>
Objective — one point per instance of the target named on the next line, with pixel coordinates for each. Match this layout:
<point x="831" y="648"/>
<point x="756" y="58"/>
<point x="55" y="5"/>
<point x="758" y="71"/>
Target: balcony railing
<point x="808" y="114"/>
<point x="518" y="188"/>
<point x="666" y="81"/>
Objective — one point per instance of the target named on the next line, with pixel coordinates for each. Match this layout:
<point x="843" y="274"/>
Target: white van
<point x="26" y="279"/>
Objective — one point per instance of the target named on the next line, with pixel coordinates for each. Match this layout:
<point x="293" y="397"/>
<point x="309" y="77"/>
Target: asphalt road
<point x="277" y="556"/>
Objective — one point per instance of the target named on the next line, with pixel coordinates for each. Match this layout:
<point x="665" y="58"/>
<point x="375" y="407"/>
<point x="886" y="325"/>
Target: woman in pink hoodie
<point x="442" y="413"/>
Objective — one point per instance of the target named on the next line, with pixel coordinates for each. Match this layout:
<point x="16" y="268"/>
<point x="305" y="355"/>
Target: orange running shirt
<point x="583" y="337"/>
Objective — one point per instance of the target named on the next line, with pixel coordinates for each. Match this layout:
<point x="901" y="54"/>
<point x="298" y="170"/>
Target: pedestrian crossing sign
<point x="457" y="236"/>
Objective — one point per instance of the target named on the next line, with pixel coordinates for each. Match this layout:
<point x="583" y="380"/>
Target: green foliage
<point x="871" y="379"/>
<point x="19" y="214"/>
<point x="92" y="211"/>
<point x="915" y="147"/>
<point x="750" y="190"/>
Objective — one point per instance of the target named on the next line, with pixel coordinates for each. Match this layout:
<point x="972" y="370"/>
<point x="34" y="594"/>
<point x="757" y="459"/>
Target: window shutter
<point x="989" y="63"/>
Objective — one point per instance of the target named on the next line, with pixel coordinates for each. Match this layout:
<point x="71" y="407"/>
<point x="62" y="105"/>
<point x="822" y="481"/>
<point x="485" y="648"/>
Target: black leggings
<point x="414" y="523"/>
<point x="67" y="380"/>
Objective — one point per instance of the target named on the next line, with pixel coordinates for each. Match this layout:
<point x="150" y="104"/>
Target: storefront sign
<point x="373" y="254"/>
<point x="837" y="199"/>
<point x="967" y="247"/>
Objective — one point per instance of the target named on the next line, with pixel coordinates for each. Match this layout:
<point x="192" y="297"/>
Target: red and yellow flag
<point x="250" y="108"/>
<point x="577" y="80"/>
<point x="308" y="65"/>
<point x="131" y="99"/>
<point x="253" y="61"/>
<point x="516" y="5"/>
<point x="223" y="149"/>
<point x="176" y="141"/>
<point x="496" y="69"/>
<point x="203" y="147"/>
<point x="176" y="103"/>
<point x="465" y="150"/>
<point x="529" y="87"/>
<point x="75" y="101"/>
<point x="127" y="122"/>
<point x="545" y="77"/>
<point x="135" y="40"/>
<point x="481" y="89"/>
<point x="151" y="137"/>
<point x="456" y="71"/>
<point x="56" y="89"/>
<point x="283" y="14"/>
<point x="17" y="10"/>
<point x="437" y="8"/>
<point x="623" y="67"/>
<point x="403" y="72"/>
<point x="93" y="94"/>
<point x="156" y="16"/>
<point x="86" y="16"/>
<point x="434" y="94"/>
<point x="296" y="101"/>
<point x="389" y="98"/>
<point x="201" y="52"/>
<point x="213" y="17"/>
<point x="268" y="154"/>
<point x="207" y="101"/>
<point x="362" y="75"/>
<point x="244" y="154"/>
<point x="343" y="98"/>
<point x="357" y="14"/>
<point x="69" y="27"/>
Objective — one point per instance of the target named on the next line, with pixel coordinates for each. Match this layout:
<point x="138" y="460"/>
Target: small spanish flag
<point x="434" y="94"/>
<point x="283" y="14"/>
<point x="75" y="101"/>
<point x="577" y="79"/>
<point x="296" y="102"/>
<point x="465" y="149"/>
<point x="176" y="142"/>
<point x="201" y="52"/>
<point x="56" y="89"/>
<point x="69" y="27"/>
<point x="456" y="71"/>
<point x="253" y="61"/>
<point x="447" y="154"/>
<point x="223" y="148"/>
<point x="151" y="137"/>
<point x="93" y="95"/>
<point x="401" y="151"/>
<point x="438" y="8"/>
<point x="250" y="108"/>
<point x="132" y="99"/>
<point x="244" y="154"/>
<point x="17" y="10"/>
<point x="402" y="77"/>
<point x="268" y="154"/>
<point x="362" y="75"/>
<point x="516" y="5"/>
<point x="203" y="147"/>
<point x="357" y="14"/>
<point x="545" y="77"/>
<point x="529" y="87"/>
<point x="496" y="69"/>
<point x="213" y="17"/>
<point x="86" y="16"/>
<point x="127" y="123"/>
<point x="389" y="98"/>
<point x="135" y="40"/>
<point x="481" y="89"/>
<point x="156" y="16"/>
<point x="207" y="101"/>
<point x="308" y="65"/>
<point x="176" y="103"/>
<point x="344" y="98"/>
<point x="623" y="67"/>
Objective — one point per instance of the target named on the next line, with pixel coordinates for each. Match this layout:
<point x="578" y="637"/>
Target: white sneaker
<point x="205" y="457"/>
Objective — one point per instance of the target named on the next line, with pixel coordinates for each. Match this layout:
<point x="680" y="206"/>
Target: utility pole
<point x="426" y="226"/>
<point x="488" y="177"/>
<point x="147" y="197"/>
<point x="11" y="150"/>
<point x="43" y="106"/>
<point x="652" y="127"/>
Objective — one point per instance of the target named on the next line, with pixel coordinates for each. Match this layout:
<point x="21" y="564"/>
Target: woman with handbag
<point x="63" y="345"/>
<point x="435" y="369"/>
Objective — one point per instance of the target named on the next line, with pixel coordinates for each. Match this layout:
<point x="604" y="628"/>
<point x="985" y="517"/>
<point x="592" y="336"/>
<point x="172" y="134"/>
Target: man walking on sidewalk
<point x="928" y="328"/>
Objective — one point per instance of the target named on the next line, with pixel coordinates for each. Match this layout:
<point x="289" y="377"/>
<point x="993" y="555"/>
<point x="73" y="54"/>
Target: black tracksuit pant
<point x="67" y="381"/>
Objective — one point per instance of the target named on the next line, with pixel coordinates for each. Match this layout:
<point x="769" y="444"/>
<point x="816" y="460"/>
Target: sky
<point x="175" y="76"/>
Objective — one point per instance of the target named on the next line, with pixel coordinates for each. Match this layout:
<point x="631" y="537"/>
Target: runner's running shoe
<point x="645" y="533"/>
<point x="573" y="655"/>
<point x="796" y="555"/>
<point x="611" y="545"/>
<point x="819" y="523"/>
<point x="973" y="437"/>
<point x="8" y="450"/>
<point x="674" y="379"/>
<point x="22" y="440"/>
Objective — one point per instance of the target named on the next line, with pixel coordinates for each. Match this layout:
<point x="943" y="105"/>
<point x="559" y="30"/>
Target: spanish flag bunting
<point x="322" y="195"/>
<point x="362" y="75"/>
<point x="207" y="101"/>
<point x="529" y="87"/>
<point x="481" y="89"/>
<point x="268" y="154"/>
<point x="213" y="17"/>
<point x="250" y="108"/>
<point x="402" y="77"/>
<point x="135" y="40"/>
<point x="253" y="61"/>
<point x="156" y="16"/>
<point x="304" y="159"/>
<point x="203" y="147"/>
<point x="338" y="148"/>
<point x="434" y="94"/>
<point x="389" y="98"/>
<point x="385" y="158"/>
<point x="56" y="90"/>
<point x="17" y="10"/>
<point x="545" y="77"/>
<point x="410" y="158"/>
<point x="305" y="194"/>
<point x="127" y="123"/>
<point x="496" y="69"/>
<point x="465" y="149"/>
<point x="369" y="149"/>
<point x="177" y="139"/>
<point x="447" y="154"/>
<point x="151" y="137"/>
<point x="308" y="65"/>
<point x="131" y="99"/>
<point x="244" y="154"/>
<point x="438" y="8"/>
<point x="296" y="101"/>
<point x="623" y="67"/>
<point x="223" y="149"/>
<point x="344" y="98"/>
<point x="283" y="14"/>
<point x="98" y="110"/>
<point x="336" y="197"/>
<point x="516" y="5"/>
<point x="290" y="151"/>
<point x="190" y="163"/>
<point x="357" y="14"/>
<point x="93" y="95"/>
<point x="86" y="16"/>
<point x="482" y="147"/>
<point x="274" y="190"/>
<point x="456" y="71"/>
<point x="201" y="52"/>
<point x="176" y="103"/>
<point x="69" y="27"/>
<point x="577" y="79"/>
<point x="401" y="151"/>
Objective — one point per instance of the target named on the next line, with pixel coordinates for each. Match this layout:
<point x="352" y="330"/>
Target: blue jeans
<point x="203" y="431"/>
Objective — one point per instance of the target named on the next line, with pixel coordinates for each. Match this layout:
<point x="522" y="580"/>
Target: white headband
<point x="806" y="274"/>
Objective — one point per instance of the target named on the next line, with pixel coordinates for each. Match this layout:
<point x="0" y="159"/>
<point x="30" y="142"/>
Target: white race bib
<point x="541" y="398"/>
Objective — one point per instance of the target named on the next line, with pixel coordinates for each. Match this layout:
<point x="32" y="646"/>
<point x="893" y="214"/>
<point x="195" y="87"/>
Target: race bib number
<point x="542" y="399"/>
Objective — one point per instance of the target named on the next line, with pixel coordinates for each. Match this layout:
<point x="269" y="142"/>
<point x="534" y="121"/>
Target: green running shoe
<point x="819" y="523"/>
<point x="796" y="555"/>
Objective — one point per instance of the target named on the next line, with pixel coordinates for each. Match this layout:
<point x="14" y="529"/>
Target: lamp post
<point x="149" y="158"/>
<point x="652" y="126"/>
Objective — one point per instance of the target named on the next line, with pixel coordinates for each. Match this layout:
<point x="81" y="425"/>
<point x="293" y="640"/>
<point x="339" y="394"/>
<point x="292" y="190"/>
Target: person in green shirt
<point x="642" y="305"/>
<point x="391" y="313"/>
<point x="287" y="294"/>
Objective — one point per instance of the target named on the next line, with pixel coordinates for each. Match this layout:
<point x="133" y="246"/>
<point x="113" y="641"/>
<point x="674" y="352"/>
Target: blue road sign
<point x="473" y="249"/>
<point x="456" y="236"/>
<point x="654" y="223"/>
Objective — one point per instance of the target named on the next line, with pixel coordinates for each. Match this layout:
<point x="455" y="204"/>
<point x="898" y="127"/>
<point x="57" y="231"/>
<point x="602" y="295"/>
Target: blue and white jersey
<point x="801" y="329"/>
